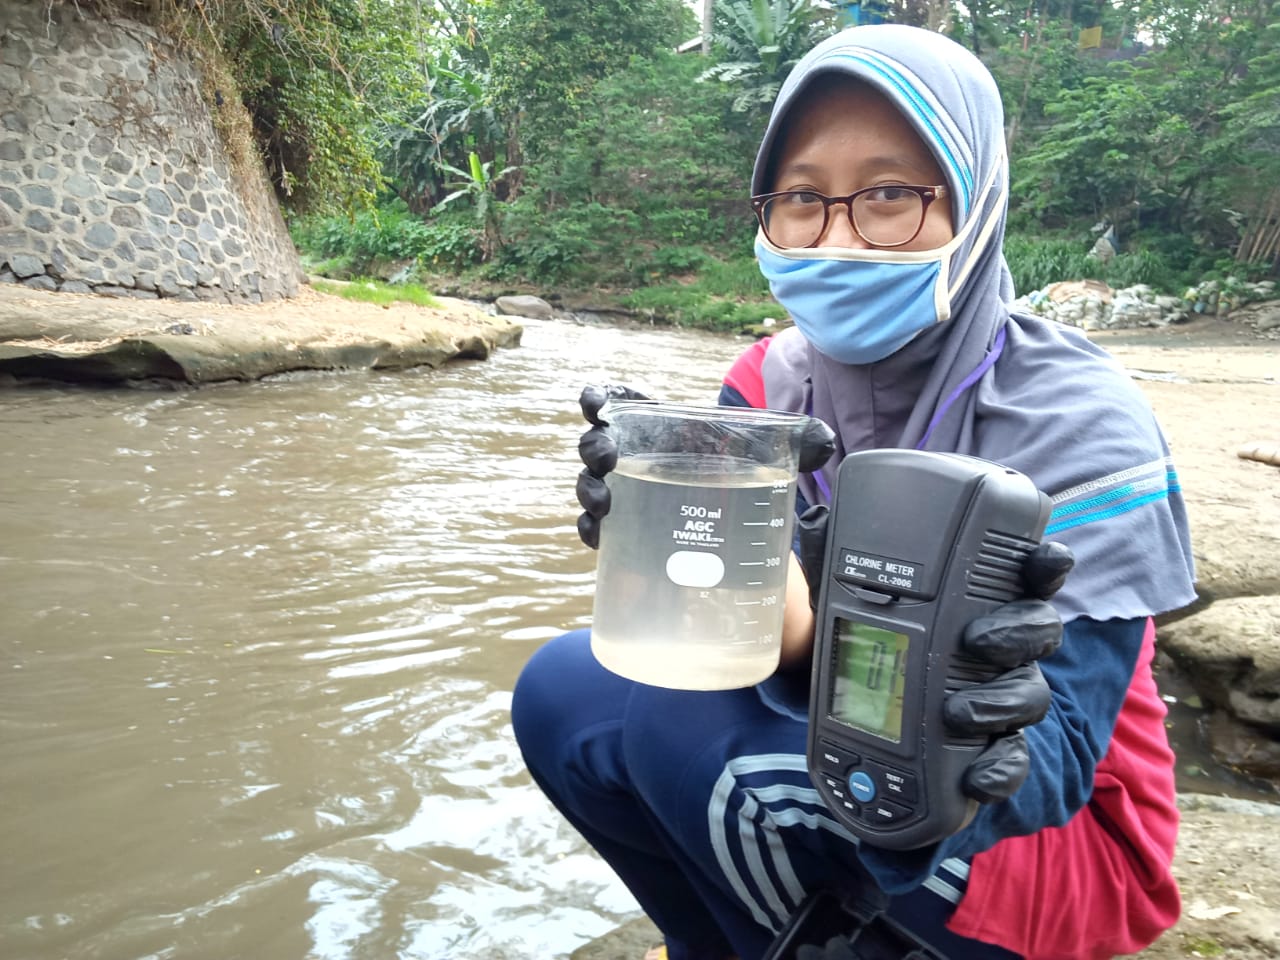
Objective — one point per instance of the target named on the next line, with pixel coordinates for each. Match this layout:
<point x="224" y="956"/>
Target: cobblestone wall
<point x="112" y="177"/>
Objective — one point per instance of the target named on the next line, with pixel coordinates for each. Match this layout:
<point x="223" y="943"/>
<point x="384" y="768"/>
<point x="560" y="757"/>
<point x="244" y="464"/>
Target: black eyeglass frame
<point x="927" y="195"/>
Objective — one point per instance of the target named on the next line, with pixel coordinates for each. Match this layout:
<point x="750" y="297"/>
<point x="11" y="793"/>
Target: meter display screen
<point x="869" y="678"/>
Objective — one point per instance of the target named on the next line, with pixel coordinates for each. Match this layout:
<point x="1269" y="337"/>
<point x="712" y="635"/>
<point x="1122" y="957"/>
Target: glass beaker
<point x="693" y="558"/>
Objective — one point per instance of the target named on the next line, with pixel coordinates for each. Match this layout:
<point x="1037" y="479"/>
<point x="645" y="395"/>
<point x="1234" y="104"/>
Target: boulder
<point x="1242" y="747"/>
<point x="1229" y="652"/>
<point x="77" y="338"/>
<point x="523" y="305"/>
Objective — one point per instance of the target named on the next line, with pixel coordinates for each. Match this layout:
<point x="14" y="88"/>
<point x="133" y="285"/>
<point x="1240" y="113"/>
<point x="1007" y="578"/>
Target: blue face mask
<point x="859" y="306"/>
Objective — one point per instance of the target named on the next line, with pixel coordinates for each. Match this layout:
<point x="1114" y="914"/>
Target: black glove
<point x="600" y="454"/>
<point x="1014" y="635"/>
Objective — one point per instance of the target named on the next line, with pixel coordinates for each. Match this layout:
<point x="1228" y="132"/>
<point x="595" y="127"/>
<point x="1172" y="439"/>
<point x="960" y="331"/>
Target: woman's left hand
<point x="1014" y="635"/>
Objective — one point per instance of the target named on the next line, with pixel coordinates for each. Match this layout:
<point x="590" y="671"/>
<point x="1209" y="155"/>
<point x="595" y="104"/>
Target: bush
<point x="391" y="232"/>
<point x="1036" y="263"/>
<point x="686" y="308"/>
<point x="1142" y="266"/>
<point x="644" y="184"/>
<point x="586" y="242"/>
<point x="725" y="295"/>
<point x="740" y="278"/>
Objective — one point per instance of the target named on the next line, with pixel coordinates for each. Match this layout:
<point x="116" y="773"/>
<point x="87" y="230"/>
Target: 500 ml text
<point x="699" y="525"/>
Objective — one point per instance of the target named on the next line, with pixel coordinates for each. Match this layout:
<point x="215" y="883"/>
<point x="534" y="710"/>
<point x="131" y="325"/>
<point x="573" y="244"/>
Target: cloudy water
<point x="258" y="648"/>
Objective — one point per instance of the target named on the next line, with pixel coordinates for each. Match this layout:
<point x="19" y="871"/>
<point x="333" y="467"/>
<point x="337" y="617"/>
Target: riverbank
<point x="85" y="338"/>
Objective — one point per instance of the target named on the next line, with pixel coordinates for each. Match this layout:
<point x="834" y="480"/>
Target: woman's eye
<point x="890" y="193"/>
<point x="801" y="198"/>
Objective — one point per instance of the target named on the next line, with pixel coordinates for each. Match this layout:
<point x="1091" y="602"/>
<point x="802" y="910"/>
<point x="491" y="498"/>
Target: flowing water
<point x="258" y="648"/>
<point x="258" y="643"/>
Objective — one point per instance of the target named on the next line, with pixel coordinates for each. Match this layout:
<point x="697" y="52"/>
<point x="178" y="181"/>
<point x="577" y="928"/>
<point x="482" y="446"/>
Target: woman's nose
<point x="839" y="231"/>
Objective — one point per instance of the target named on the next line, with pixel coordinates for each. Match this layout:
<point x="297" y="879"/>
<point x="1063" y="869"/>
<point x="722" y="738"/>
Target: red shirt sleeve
<point x="745" y="375"/>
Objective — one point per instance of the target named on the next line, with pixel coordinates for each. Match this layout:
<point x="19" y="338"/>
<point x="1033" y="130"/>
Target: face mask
<point x="860" y="306"/>
<point x="857" y="311"/>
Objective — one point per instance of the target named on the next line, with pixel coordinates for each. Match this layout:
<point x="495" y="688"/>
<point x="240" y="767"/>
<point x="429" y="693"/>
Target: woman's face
<point x="846" y="136"/>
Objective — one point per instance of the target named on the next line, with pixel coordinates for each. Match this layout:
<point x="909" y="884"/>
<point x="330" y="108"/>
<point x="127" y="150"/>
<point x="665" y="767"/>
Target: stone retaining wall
<point x="112" y="177"/>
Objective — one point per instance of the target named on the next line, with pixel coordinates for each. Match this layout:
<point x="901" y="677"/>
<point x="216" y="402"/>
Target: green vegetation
<point x="562" y="143"/>
<point x="759" y="41"/>
<point x="723" y="295"/>
<point x="318" y="81"/>
<point x="1203" y="947"/>
<point x="373" y="291"/>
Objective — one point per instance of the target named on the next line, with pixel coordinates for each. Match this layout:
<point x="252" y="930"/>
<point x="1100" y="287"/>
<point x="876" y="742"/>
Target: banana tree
<point x="759" y="41"/>
<point x="477" y="183"/>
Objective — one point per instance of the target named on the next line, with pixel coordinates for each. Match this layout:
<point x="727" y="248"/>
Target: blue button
<point x="862" y="787"/>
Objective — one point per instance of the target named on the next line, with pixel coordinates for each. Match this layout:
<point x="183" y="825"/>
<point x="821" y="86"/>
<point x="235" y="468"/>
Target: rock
<point x="40" y="281"/>
<point x="1261" y="316"/>
<point x="75" y="338"/>
<point x="627" y="942"/>
<point x="1242" y="747"/>
<point x="24" y="265"/>
<point x="392" y="271"/>
<point x="523" y="305"/>
<point x="1228" y="650"/>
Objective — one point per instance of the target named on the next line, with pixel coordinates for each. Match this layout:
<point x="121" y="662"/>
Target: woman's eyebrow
<point x="891" y="162"/>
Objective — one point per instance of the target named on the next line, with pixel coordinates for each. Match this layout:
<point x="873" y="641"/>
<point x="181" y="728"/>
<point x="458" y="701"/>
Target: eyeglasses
<point x="884" y="216"/>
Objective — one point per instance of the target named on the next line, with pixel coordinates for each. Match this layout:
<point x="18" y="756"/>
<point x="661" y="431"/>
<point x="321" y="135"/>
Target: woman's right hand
<point x="600" y="454"/>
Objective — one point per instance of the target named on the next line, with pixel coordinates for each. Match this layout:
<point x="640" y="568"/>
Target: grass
<point x="723" y="295"/>
<point x="374" y="291"/>
<point x="1204" y="947"/>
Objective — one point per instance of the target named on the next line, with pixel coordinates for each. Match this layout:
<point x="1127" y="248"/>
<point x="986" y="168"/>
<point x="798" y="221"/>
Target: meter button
<point x="862" y="786"/>
<point x="836" y="787"/>
<point x="886" y="811"/>
<point x="835" y="759"/>
<point x="895" y="783"/>
<point x="872" y="596"/>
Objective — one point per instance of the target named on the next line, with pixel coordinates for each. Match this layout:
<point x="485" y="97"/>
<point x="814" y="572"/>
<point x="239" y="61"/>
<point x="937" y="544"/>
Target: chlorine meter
<point x="918" y="545"/>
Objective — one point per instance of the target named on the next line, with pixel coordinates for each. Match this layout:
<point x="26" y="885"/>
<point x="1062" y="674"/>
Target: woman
<point x="881" y="188"/>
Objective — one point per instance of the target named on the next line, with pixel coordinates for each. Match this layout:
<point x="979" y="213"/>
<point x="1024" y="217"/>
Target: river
<point x="259" y="643"/>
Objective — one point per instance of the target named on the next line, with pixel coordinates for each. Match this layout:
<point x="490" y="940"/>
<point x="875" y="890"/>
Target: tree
<point x="316" y="76"/>
<point x="477" y="183"/>
<point x="1248" y="182"/>
<point x="460" y="117"/>
<point x="1181" y="141"/>
<point x="651" y="178"/>
<point x="759" y="41"/>
<point x="544" y="56"/>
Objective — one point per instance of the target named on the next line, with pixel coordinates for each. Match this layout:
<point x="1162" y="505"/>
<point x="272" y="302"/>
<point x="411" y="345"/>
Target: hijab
<point x="1013" y="389"/>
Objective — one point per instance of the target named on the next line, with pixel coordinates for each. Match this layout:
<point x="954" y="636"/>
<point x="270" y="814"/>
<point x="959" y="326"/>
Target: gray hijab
<point x="1012" y="389"/>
